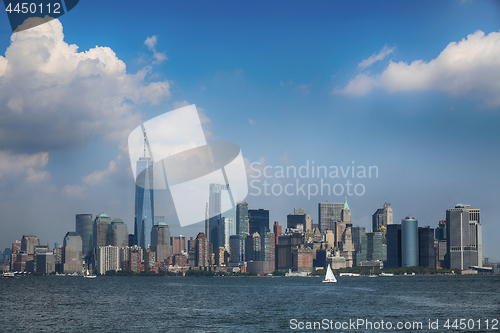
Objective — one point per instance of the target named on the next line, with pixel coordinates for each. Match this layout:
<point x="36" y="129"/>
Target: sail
<point x="329" y="275"/>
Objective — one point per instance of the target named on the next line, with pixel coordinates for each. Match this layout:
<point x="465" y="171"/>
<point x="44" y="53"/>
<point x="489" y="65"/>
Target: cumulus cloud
<point x="159" y="57"/>
<point x="28" y="167"/>
<point x="376" y="57"/>
<point x="468" y="67"/>
<point x="99" y="177"/>
<point x="54" y="97"/>
<point x="252" y="122"/>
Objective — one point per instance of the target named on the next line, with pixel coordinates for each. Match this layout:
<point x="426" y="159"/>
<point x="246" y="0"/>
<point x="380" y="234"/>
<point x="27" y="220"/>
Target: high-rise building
<point x="298" y="211"/>
<point x="237" y="252"/>
<point x="357" y="234"/>
<point x="340" y="226"/>
<point x="108" y="259"/>
<point x="372" y="247"/>
<point x="409" y="241"/>
<point x="258" y="221"/>
<point x="144" y="203"/>
<point x="72" y="253"/>
<point x="45" y="262"/>
<point x="202" y="254"/>
<point x="242" y="219"/>
<point x="85" y="228"/>
<point x="464" y="237"/>
<point x="117" y="234"/>
<point x="178" y="244"/>
<point x="441" y="247"/>
<point x="28" y="243"/>
<point x="426" y="250"/>
<point x="100" y="230"/>
<point x="277" y="230"/>
<point x="160" y="241"/>
<point x="347" y="250"/>
<point x="221" y="205"/>
<point x="393" y="238"/>
<point x="226" y="229"/>
<point x="382" y="217"/>
<point x="329" y="213"/>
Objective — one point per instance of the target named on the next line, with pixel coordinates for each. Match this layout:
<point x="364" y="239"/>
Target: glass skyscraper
<point x="85" y="228"/>
<point x="144" y="202"/>
<point x="221" y="205"/>
<point x="409" y="241"/>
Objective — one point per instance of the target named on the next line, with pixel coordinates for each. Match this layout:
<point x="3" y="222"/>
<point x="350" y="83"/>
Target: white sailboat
<point x="329" y="277"/>
<point x="88" y="275"/>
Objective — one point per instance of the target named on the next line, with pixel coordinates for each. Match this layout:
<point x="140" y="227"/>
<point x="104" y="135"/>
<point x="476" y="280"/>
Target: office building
<point x="226" y="229"/>
<point x="277" y="230"/>
<point x="237" y="253"/>
<point x="117" y="234"/>
<point x="178" y="244"/>
<point x="160" y="241"/>
<point x="85" y="228"/>
<point x="144" y="203"/>
<point x="329" y="213"/>
<point x="108" y="259"/>
<point x="426" y="249"/>
<point x="221" y="204"/>
<point x="394" y="254"/>
<point x="28" y="243"/>
<point x="100" y="230"/>
<point x="45" y="262"/>
<point x="201" y="251"/>
<point x="464" y="237"/>
<point x="382" y="217"/>
<point x="242" y="219"/>
<point x="72" y="253"/>
<point x="258" y="220"/>
<point x="409" y="242"/>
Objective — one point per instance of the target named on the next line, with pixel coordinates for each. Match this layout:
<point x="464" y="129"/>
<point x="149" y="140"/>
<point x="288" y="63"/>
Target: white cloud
<point x="159" y="57"/>
<point x="54" y="97"/>
<point x="75" y="191"/>
<point x="100" y="177"/>
<point x="376" y="57"/>
<point x="28" y="167"/>
<point x="252" y="122"/>
<point x="468" y="67"/>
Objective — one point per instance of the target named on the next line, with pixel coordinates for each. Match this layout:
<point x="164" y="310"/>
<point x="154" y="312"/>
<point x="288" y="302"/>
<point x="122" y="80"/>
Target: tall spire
<point x="346" y="206"/>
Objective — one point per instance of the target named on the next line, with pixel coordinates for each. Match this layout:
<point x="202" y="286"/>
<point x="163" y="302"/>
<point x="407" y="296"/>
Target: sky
<point x="410" y="88"/>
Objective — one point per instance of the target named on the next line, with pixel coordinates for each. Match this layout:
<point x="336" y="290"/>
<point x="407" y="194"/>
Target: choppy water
<point x="170" y="304"/>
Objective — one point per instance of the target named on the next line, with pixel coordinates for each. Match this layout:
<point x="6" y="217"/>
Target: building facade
<point x="144" y="203"/>
<point x="409" y="242"/>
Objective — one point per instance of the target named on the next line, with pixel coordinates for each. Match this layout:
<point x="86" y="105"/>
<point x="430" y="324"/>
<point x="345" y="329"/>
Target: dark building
<point x="426" y="250"/>
<point x="329" y="213"/>
<point x="242" y="219"/>
<point x="258" y="220"/>
<point x="394" y="257"/>
<point x="84" y="227"/>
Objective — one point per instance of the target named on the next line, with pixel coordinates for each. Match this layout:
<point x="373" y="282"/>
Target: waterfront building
<point x="464" y="237"/>
<point x="347" y="247"/>
<point x="258" y="220"/>
<point x="409" y="241"/>
<point x="107" y="259"/>
<point x="72" y="253"/>
<point x="160" y="241"/>
<point x="226" y="229"/>
<point x="84" y="226"/>
<point x="117" y="234"/>
<point x="394" y="251"/>
<point x="426" y="250"/>
<point x="302" y="259"/>
<point x="372" y="248"/>
<point x="135" y="263"/>
<point x="100" y="230"/>
<point x="45" y="262"/>
<point x="382" y="217"/>
<point x="242" y="219"/>
<point x="144" y="202"/>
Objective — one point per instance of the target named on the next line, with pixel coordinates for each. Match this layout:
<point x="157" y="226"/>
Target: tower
<point x="84" y="227"/>
<point x="329" y="213"/>
<point x="464" y="237"/>
<point x="221" y="204"/>
<point x="382" y="217"/>
<point x="409" y="241"/>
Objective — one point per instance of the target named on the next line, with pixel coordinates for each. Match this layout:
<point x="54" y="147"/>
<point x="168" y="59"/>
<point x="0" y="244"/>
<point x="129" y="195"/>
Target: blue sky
<point x="288" y="81"/>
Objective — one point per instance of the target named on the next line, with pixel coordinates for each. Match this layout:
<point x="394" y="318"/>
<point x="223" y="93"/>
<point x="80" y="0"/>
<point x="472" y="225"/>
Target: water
<point x="170" y="304"/>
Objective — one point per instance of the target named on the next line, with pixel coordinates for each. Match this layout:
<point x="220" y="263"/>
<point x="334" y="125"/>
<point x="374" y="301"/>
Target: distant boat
<point x="372" y="273"/>
<point x="8" y="274"/>
<point x="386" y="274"/>
<point x="88" y="275"/>
<point x="329" y="277"/>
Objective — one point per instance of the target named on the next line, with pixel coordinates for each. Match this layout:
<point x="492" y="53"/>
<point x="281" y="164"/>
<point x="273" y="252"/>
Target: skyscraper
<point x="426" y="250"/>
<point x="382" y="217"/>
<point x="258" y="221"/>
<point x="160" y="241"/>
<point x="464" y="236"/>
<point x="72" y="253"/>
<point x="393" y="246"/>
<point x="202" y="255"/>
<point x="84" y="227"/>
<point x="100" y="231"/>
<point x="144" y="202"/>
<point x="28" y="243"/>
<point x="242" y="219"/>
<point x="221" y="204"/>
<point x="329" y="213"/>
<point x="117" y="234"/>
<point x="409" y="241"/>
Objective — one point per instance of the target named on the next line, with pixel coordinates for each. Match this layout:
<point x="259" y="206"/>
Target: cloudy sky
<point x="411" y="87"/>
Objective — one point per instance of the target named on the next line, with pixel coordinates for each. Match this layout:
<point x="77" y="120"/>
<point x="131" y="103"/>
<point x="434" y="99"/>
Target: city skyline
<point x="334" y="84"/>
